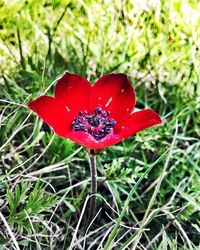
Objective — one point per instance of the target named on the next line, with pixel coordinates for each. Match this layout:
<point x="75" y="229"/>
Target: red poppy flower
<point x="95" y="116"/>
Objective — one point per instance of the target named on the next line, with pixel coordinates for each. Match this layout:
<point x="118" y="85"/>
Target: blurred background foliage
<point x="157" y="43"/>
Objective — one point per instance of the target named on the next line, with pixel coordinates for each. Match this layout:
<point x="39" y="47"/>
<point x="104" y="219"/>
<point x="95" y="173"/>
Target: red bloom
<point x="95" y="116"/>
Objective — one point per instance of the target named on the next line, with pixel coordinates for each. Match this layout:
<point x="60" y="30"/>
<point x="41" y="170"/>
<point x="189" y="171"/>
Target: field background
<point x="148" y="185"/>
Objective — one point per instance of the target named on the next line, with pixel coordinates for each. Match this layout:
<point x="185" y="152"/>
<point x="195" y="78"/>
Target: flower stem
<point x="92" y="204"/>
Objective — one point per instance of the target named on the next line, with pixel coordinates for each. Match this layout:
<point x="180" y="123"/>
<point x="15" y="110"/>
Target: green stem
<point x="92" y="204"/>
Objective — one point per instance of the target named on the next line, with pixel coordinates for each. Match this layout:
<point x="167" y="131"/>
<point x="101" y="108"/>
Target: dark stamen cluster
<point x="97" y="124"/>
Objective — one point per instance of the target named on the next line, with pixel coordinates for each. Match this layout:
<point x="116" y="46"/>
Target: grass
<point x="148" y="185"/>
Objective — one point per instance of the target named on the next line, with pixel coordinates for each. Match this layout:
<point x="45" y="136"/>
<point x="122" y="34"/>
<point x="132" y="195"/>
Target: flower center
<point x="98" y="124"/>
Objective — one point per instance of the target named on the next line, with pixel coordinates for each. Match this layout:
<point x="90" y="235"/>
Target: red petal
<point x="53" y="113"/>
<point x="138" y="121"/>
<point x="74" y="91"/>
<point x="88" y="141"/>
<point x="114" y="93"/>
